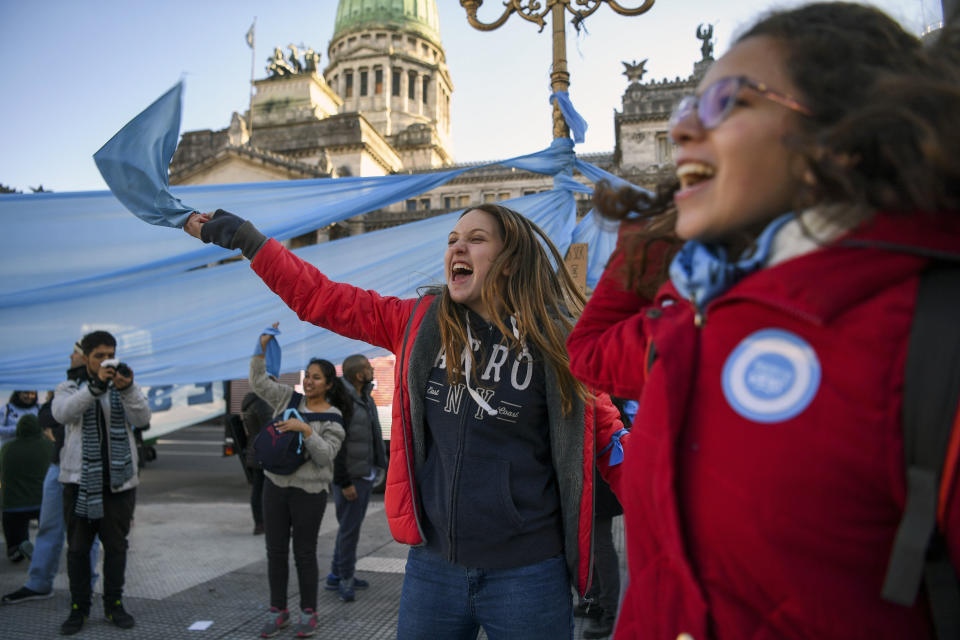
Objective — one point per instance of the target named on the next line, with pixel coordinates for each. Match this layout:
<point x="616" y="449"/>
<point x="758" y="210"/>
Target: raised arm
<point x="135" y="404"/>
<point x="342" y="308"/>
<point x="70" y="401"/>
<point x="608" y="344"/>
<point x="276" y="394"/>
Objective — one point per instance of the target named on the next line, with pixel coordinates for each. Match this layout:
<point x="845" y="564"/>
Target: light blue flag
<point x="273" y="355"/>
<point x="135" y="160"/>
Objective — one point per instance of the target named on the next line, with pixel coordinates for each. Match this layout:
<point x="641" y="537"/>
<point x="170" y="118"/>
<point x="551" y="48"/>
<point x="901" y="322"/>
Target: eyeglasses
<point x="718" y="100"/>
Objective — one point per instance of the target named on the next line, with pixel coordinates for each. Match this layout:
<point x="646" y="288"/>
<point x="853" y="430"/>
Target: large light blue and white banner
<point x="75" y="262"/>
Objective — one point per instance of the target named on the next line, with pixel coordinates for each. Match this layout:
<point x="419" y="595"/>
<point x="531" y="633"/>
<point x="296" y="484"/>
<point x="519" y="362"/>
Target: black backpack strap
<point x="324" y="416"/>
<point x="295" y="399"/>
<point x="930" y="399"/>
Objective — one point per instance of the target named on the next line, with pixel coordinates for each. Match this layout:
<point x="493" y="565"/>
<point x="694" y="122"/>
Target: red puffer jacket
<point x="408" y="329"/>
<point x="764" y="479"/>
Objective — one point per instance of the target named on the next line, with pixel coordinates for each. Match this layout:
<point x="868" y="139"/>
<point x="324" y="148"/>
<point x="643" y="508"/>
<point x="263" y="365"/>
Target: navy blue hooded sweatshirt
<point x="489" y="491"/>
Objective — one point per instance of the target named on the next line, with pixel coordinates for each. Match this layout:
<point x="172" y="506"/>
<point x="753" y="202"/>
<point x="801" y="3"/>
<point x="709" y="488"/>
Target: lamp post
<point x="536" y="11"/>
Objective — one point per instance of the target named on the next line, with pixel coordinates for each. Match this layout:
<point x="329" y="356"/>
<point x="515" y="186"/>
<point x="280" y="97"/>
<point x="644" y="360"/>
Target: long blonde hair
<point x="542" y="300"/>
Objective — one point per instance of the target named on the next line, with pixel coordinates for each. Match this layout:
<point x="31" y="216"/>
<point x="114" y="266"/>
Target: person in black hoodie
<point x="23" y="463"/>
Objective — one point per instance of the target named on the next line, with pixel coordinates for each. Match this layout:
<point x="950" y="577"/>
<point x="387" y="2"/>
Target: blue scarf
<point x="701" y="271"/>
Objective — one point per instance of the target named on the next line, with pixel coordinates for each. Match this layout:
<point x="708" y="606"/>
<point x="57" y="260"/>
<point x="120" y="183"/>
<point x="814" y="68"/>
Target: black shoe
<point x="24" y="594"/>
<point x="74" y="623"/>
<point x="590" y="610"/>
<point x="599" y="628"/>
<point x="116" y="614"/>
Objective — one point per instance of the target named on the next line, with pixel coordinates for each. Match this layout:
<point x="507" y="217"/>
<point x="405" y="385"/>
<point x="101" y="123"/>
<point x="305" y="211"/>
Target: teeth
<point x="461" y="268"/>
<point x="691" y="173"/>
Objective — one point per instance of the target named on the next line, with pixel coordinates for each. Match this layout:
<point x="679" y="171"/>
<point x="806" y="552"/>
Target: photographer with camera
<point x="98" y="469"/>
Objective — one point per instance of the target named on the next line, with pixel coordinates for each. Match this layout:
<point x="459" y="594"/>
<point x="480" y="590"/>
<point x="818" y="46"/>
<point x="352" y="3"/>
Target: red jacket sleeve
<point x="608" y="425"/>
<point x="607" y="345"/>
<point x="342" y="308"/>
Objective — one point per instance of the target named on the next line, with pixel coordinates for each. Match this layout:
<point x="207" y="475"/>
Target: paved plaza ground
<point x="194" y="559"/>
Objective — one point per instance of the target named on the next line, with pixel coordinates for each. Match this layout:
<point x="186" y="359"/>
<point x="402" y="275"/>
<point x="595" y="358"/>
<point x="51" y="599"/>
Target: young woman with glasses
<point x="818" y="175"/>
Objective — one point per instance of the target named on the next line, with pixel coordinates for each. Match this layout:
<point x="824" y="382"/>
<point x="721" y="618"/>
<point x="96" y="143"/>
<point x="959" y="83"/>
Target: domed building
<point x="387" y="62"/>
<point x="381" y="105"/>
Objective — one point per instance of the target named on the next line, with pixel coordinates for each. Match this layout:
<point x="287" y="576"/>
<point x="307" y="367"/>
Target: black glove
<point x="233" y="232"/>
<point x="221" y="229"/>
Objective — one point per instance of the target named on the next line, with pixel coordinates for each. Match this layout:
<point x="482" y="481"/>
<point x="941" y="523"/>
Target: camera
<point x="122" y="367"/>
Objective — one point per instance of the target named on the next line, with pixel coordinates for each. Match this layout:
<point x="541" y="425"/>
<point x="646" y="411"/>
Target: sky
<point x="77" y="70"/>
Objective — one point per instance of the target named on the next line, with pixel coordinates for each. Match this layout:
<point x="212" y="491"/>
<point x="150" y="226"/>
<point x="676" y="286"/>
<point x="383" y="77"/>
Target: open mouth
<point x="693" y="173"/>
<point x="460" y="272"/>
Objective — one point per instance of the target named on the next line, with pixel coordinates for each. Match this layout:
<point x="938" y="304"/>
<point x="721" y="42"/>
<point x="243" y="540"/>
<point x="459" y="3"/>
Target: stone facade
<point x="382" y="105"/>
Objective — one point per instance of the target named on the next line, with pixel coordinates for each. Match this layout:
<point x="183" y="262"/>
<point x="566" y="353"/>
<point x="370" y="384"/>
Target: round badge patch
<point x="771" y="376"/>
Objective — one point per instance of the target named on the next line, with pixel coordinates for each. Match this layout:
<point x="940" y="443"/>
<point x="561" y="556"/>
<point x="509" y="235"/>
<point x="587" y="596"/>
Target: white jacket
<point x="71" y="401"/>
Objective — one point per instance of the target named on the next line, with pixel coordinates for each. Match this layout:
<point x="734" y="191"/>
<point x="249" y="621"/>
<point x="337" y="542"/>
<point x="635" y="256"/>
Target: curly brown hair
<point x="883" y="133"/>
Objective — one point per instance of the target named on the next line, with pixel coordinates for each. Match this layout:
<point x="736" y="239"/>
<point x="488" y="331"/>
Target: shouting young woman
<point x="493" y="444"/>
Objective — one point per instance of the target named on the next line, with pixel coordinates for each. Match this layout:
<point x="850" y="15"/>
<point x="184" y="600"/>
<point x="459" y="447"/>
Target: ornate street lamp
<point x="536" y="11"/>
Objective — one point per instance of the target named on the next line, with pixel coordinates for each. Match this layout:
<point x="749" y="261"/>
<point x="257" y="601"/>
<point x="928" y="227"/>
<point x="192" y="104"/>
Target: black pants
<point x="286" y="509"/>
<point x="16" y="528"/>
<point x="607" y="565"/>
<point x="256" y="495"/>
<point x="113" y="529"/>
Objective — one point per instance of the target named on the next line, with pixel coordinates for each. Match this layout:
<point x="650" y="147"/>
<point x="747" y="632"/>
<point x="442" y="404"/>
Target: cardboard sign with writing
<point x="576" y="262"/>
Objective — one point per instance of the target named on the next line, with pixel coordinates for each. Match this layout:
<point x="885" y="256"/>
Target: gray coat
<point x="363" y="451"/>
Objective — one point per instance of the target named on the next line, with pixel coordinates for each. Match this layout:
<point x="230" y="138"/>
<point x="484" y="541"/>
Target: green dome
<point x="417" y="16"/>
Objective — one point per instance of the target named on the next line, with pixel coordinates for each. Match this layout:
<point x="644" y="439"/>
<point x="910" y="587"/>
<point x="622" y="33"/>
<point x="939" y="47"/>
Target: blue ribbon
<point x="296" y="414"/>
<point x="578" y="126"/>
<point x="615" y="447"/>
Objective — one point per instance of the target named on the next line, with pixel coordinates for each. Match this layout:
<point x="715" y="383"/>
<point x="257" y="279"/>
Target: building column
<point x="357" y="226"/>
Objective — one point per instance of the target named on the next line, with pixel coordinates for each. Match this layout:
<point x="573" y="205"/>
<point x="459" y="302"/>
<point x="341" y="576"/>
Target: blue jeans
<point x="50" y="537"/>
<point x="350" y="514"/>
<point x="444" y="600"/>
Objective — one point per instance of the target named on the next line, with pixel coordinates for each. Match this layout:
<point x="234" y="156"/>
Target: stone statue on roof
<point x="311" y="61"/>
<point x="294" y="58"/>
<point x="707" y="36"/>
<point x="634" y="70"/>
<point x="277" y="65"/>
